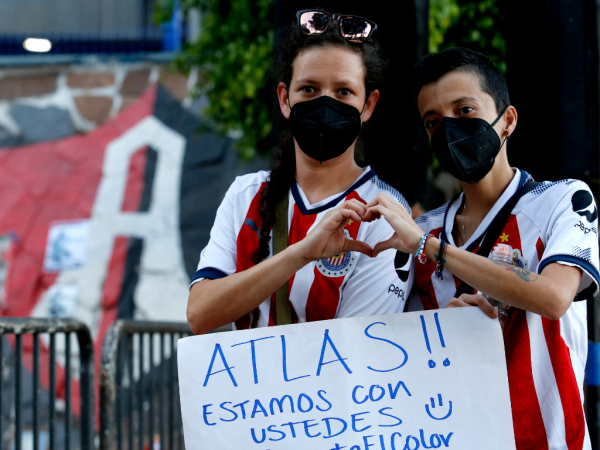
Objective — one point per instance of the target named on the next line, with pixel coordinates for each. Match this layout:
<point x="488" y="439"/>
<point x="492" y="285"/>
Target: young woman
<point x="546" y="230"/>
<point x="329" y="72"/>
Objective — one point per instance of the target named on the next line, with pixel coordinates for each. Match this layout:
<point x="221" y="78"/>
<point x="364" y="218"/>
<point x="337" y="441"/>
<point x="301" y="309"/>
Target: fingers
<point x="349" y="210"/>
<point x="358" y="246"/>
<point x="347" y="215"/>
<point x="355" y="205"/>
<point x="381" y="198"/>
<point x="481" y="302"/>
<point x="474" y="300"/>
<point x="375" y="212"/>
<point x="456" y="303"/>
<point x="384" y="245"/>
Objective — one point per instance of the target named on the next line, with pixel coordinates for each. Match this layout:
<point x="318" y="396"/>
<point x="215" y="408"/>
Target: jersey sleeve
<point x="572" y="237"/>
<point x="378" y="285"/>
<point x="219" y="257"/>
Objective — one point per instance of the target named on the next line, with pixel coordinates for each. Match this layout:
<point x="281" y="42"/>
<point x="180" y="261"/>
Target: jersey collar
<point x="520" y="178"/>
<point x="307" y="209"/>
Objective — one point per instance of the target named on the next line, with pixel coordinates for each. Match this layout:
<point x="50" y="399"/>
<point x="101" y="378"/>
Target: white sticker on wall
<point x="66" y="247"/>
<point x="62" y="300"/>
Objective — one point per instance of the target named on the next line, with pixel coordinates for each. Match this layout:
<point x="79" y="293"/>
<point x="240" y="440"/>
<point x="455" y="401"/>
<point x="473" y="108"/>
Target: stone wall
<point x="52" y="102"/>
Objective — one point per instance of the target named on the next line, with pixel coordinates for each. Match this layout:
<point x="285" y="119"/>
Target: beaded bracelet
<point x="421" y="257"/>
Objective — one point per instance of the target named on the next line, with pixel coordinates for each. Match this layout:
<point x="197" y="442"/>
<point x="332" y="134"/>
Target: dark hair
<point x="491" y="81"/>
<point x="283" y="167"/>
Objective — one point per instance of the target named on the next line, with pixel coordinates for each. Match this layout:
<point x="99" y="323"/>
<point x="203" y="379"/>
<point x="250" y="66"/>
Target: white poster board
<point x="432" y="379"/>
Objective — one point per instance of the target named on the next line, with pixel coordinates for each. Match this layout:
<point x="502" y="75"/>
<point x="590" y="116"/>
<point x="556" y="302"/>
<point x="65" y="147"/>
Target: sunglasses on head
<point x="354" y="29"/>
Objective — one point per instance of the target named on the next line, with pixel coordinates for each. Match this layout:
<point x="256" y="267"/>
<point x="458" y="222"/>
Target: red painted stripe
<point x="539" y="246"/>
<point x="567" y="384"/>
<point x="135" y="181"/>
<point x="111" y="289"/>
<point x="527" y="416"/>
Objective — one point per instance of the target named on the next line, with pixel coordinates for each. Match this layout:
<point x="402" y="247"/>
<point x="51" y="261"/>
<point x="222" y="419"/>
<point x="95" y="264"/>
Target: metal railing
<point x="139" y="388"/>
<point x="29" y="347"/>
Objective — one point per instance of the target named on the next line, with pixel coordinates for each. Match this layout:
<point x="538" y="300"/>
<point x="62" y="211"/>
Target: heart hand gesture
<point x="407" y="234"/>
<point x="328" y="239"/>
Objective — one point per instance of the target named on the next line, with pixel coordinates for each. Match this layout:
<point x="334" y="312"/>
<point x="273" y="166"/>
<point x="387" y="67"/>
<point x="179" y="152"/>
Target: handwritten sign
<point x="433" y="379"/>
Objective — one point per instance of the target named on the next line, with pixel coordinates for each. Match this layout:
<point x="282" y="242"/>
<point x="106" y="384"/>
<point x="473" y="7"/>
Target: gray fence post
<point x="19" y="327"/>
<point x="127" y="405"/>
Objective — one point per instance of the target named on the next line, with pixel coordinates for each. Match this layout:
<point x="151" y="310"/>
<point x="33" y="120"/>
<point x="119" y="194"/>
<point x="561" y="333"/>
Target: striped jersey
<point x="554" y="223"/>
<point x="347" y="285"/>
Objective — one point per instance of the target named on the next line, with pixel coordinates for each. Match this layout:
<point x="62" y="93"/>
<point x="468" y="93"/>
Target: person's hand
<point x="328" y="239"/>
<point x="474" y="300"/>
<point x="407" y="234"/>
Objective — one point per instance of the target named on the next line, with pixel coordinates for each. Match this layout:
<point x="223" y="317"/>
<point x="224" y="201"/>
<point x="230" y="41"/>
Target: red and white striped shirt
<point x="556" y="222"/>
<point x="346" y="285"/>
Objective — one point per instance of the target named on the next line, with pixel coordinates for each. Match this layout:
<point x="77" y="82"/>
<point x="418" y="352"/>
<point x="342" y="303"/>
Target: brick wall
<point x="52" y="102"/>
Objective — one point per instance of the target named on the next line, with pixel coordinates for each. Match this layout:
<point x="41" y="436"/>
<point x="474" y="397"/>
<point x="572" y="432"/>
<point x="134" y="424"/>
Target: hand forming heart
<point x="407" y="233"/>
<point x="328" y="238"/>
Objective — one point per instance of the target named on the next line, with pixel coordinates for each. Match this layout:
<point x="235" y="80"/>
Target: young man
<point x="552" y="229"/>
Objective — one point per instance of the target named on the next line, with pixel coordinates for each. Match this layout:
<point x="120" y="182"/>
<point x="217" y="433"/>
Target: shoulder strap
<point x="495" y="228"/>
<point x="280" y="243"/>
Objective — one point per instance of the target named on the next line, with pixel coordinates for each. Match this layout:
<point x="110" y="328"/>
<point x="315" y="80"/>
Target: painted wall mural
<point x="110" y="224"/>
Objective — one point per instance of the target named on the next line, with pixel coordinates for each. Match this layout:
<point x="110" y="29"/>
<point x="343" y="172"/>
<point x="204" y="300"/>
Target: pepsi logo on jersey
<point x="585" y="229"/>
<point x="396" y="291"/>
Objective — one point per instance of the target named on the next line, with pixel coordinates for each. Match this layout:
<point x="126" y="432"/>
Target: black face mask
<point x="466" y="147"/>
<point x="324" y="127"/>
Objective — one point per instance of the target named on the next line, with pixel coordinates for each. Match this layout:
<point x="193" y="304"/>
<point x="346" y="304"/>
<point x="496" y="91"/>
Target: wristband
<point x="421" y="257"/>
<point x="441" y="260"/>
<point x="425" y="247"/>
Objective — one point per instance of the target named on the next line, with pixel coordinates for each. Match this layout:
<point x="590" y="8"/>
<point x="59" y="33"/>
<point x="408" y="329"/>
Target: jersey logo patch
<point x="582" y="200"/>
<point x="518" y="260"/>
<point x="339" y="265"/>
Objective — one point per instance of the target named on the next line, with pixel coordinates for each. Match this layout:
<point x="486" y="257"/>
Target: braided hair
<point x="283" y="166"/>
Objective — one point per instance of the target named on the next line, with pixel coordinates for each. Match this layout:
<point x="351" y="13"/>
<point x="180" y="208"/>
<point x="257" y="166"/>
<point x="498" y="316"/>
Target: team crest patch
<point x="518" y="259"/>
<point x="339" y="265"/>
